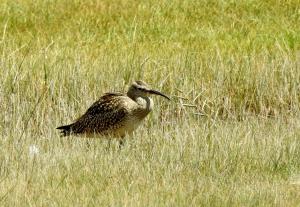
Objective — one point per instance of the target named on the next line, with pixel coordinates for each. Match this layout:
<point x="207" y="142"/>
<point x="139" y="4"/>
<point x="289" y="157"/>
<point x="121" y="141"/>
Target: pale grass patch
<point x="33" y="150"/>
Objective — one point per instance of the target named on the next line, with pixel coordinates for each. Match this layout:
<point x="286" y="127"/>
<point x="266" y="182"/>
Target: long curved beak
<point x="158" y="93"/>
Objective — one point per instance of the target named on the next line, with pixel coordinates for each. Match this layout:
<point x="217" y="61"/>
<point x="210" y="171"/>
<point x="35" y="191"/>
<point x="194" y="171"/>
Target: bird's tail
<point x="65" y="130"/>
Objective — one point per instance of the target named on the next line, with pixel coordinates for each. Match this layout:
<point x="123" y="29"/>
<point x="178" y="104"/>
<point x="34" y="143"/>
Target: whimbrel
<point x="115" y="114"/>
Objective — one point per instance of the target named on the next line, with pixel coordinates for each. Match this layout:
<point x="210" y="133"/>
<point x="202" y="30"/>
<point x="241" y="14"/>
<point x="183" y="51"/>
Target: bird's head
<point x="141" y="89"/>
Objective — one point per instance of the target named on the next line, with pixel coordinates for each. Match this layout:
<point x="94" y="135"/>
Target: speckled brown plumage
<point x="115" y="114"/>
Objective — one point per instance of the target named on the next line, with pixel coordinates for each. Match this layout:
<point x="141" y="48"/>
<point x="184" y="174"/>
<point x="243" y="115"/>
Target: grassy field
<point x="229" y="137"/>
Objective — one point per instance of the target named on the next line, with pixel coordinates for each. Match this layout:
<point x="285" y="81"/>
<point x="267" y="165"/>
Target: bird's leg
<point x="121" y="142"/>
<point x="87" y="144"/>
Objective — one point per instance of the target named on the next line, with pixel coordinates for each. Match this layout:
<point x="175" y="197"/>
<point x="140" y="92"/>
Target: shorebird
<point x="115" y="114"/>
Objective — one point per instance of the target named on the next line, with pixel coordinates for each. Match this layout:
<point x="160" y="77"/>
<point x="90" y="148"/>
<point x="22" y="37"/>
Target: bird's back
<point x="113" y="113"/>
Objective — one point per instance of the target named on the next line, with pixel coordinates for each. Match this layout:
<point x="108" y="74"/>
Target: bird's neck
<point x="145" y="105"/>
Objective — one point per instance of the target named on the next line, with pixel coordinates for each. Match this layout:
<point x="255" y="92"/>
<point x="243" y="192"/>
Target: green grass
<point x="236" y="63"/>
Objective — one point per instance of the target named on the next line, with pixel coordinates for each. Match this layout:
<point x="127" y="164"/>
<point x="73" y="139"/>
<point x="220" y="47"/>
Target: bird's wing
<point x="106" y="113"/>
